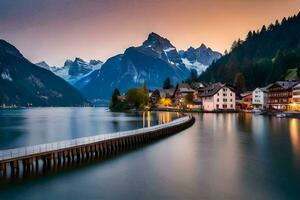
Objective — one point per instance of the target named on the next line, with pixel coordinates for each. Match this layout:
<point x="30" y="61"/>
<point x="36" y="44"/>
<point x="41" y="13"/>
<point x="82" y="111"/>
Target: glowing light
<point x="295" y="137"/>
<point x="165" y="101"/>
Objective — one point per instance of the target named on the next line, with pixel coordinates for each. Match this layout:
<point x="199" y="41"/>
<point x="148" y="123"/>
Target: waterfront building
<point x="166" y="93"/>
<point x="280" y="95"/>
<point x="218" y="96"/>
<point x="296" y="98"/>
<point x="154" y="97"/>
<point x="259" y="98"/>
<point x="199" y="89"/>
<point x="181" y="91"/>
<point x="246" y="100"/>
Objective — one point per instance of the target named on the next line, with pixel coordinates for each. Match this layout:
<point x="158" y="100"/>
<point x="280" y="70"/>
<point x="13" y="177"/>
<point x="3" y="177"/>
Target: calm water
<point x="223" y="156"/>
<point x="24" y="127"/>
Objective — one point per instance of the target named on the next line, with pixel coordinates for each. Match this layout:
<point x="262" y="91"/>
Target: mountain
<point x="200" y="58"/>
<point x="73" y="71"/>
<point x="151" y="63"/>
<point x="23" y="83"/>
<point x="264" y="57"/>
<point x="44" y="65"/>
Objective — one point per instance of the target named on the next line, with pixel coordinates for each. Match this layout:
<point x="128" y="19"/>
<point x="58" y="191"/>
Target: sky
<point x="56" y="30"/>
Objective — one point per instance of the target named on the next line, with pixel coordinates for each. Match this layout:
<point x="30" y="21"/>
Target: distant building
<point x="167" y="93"/>
<point x="246" y="100"/>
<point x="218" y="96"/>
<point x="181" y="91"/>
<point x="280" y="95"/>
<point x="296" y="98"/>
<point x="199" y="89"/>
<point x="259" y="98"/>
<point x="154" y="97"/>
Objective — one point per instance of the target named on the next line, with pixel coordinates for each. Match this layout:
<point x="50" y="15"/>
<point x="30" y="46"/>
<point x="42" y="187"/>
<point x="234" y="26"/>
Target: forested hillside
<point x="265" y="56"/>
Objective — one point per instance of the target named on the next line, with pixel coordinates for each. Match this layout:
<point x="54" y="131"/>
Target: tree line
<point x="265" y="56"/>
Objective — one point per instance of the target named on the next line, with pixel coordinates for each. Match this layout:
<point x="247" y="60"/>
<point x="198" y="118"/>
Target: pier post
<point x="60" y="159"/>
<point x="65" y="156"/>
<point x="37" y="158"/>
<point x="101" y="149"/>
<point x="14" y="168"/>
<point x="2" y="169"/>
<point x="93" y="151"/>
<point x="97" y="150"/>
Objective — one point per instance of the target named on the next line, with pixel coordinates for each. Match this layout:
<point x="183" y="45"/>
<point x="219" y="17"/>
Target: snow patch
<point x="199" y="67"/>
<point x="169" y="49"/>
<point x="6" y="76"/>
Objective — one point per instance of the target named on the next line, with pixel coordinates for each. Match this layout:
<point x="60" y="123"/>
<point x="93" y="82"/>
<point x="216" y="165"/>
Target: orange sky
<point x="54" y="30"/>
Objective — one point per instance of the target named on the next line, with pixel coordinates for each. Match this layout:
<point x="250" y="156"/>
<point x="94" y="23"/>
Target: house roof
<point x="244" y="94"/>
<point x="212" y="89"/>
<point x="284" y="84"/>
<point x="264" y="89"/>
<point x="164" y="92"/>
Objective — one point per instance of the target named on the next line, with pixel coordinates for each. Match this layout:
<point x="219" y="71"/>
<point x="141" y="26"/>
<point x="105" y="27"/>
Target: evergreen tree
<point x="115" y="98"/>
<point x="264" y="57"/>
<point x="249" y="35"/>
<point x="239" y="82"/>
<point x="263" y="29"/>
<point x="167" y="83"/>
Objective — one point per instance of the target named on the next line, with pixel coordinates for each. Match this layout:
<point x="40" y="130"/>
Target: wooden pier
<point x="27" y="160"/>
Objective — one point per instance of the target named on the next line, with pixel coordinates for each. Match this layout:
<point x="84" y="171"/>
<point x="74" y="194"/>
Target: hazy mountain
<point x="72" y="71"/>
<point x="23" y="83"/>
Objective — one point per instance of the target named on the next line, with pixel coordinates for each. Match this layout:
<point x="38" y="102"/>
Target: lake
<point x="25" y="127"/>
<point x="222" y="156"/>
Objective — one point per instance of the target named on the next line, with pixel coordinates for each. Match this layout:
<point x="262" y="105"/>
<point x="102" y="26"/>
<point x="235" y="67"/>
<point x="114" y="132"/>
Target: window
<point x="217" y="99"/>
<point x="217" y="106"/>
<point x="231" y="105"/>
<point x="225" y="100"/>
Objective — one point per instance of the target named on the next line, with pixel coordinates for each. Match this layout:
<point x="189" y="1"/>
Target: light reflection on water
<point x="222" y="156"/>
<point x="26" y="127"/>
<point x="295" y="137"/>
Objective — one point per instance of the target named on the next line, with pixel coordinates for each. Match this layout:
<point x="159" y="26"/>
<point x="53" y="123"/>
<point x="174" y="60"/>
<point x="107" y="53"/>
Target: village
<point x="279" y="98"/>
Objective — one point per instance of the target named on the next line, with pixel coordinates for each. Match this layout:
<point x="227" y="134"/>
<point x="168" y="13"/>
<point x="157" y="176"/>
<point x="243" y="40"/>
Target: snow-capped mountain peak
<point x="72" y="71"/>
<point x="43" y="64"/>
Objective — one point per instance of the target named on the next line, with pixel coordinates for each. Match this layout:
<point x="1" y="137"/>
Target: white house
<point x="218" y="96"/>
<point x="296" y="97"/>
<point x="260" y="98"/>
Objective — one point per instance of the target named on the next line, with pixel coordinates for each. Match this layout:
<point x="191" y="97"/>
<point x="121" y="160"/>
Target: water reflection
<point x="26" y="127"/>
<point x="295" y="137"/>
<point x="222" y="156"/>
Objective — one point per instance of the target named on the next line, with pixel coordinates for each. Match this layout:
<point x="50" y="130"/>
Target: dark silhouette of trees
<point x="167" y="83"/>
<point x="264" y="57"/>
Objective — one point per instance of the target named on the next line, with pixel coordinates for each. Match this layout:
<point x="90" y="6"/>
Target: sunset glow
<point x="54" y="30"/>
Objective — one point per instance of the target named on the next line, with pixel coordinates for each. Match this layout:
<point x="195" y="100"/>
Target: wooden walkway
<point x="28" y="159"/>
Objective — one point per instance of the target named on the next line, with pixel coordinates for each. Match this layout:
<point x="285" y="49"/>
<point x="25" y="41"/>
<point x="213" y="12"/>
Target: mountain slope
<point x="23" y="83"/>
<point x="264" y="57"/>
<point x="151" y="63"/>
<point x="200" y="58"/>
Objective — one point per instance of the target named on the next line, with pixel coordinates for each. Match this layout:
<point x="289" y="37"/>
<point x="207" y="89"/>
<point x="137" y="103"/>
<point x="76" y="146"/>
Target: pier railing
<point x="55" y="146"/>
